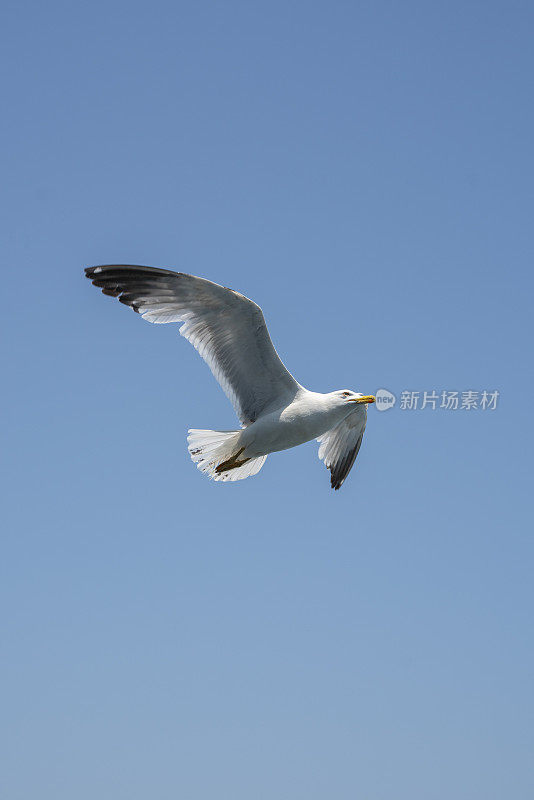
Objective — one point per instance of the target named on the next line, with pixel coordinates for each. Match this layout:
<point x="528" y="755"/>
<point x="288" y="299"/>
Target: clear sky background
<point x="363" y="171"/>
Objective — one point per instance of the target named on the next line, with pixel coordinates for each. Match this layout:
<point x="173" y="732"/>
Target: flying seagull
<point x="230" y="333"/>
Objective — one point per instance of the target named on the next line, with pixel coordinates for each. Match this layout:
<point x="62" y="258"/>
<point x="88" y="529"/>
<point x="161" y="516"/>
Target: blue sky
<point x="364" y="172"/>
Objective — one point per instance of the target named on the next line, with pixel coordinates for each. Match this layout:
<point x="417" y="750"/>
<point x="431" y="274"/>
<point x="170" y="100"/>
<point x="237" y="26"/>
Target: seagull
<point x="228" y="330"/>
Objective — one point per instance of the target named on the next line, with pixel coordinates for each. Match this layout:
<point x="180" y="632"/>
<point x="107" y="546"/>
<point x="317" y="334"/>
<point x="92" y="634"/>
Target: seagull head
<point x="348" y="396"/>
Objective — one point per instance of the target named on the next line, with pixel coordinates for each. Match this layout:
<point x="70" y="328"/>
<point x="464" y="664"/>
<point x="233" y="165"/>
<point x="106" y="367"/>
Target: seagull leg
<point x="232" y="463"/>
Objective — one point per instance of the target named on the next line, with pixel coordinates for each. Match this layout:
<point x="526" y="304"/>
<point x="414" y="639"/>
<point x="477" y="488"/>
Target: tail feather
<point x="218" y="455"/>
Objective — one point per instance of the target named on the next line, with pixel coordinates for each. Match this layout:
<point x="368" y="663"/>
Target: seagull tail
<point x="218" y="455"/>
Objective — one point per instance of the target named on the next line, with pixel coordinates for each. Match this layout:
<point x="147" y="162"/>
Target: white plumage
<point x="229" y="332"/>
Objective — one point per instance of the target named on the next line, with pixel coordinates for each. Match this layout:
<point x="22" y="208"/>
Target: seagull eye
<point x="346" y="394"/>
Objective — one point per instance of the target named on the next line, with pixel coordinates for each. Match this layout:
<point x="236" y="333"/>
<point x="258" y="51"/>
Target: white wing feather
<point x="226" y="328"/>
<point x="340" y="445"/>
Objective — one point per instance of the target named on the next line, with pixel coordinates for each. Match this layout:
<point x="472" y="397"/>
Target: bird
<point x="228" y="330"/>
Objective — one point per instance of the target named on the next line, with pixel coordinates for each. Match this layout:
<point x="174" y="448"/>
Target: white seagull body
<point x="229" y="332"/>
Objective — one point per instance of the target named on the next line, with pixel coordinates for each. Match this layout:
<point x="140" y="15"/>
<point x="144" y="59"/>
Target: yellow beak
<point x="367" y="398"/>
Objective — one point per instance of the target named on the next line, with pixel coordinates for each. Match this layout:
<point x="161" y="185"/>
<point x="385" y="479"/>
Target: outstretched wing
<point x="340" y="446"/>
<point x="226" y="328"/>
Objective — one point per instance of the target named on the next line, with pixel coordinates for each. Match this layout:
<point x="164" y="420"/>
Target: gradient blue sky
<point x="363" y="170"/>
